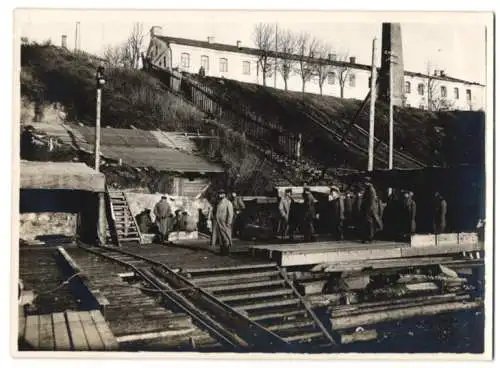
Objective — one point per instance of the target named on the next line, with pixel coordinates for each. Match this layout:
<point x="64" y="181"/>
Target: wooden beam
<point x="46" y="334"/>
<point x="61" y="337"/>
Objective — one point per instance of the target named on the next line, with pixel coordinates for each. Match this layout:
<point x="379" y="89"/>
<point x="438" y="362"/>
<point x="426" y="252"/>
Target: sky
<point x="452" y="42"/>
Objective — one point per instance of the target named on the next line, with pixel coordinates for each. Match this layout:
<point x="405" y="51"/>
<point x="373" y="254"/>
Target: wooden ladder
<point x="124" y="222"/>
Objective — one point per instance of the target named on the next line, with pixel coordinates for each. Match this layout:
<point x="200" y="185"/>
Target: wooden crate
<point x="447" y="239"/>
<point x="420" y="240"/>
<point x="468" y="238"/>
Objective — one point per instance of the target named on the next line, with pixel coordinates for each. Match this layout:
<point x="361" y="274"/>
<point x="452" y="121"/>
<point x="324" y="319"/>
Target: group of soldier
<point x="360" y="215"/>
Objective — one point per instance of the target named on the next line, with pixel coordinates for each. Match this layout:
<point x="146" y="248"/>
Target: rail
<point x="252" y="332"/>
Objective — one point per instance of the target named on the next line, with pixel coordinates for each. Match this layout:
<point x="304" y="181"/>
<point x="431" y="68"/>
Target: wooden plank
<point x="61" y="335"/>
<point x="46" y="333"/>
<point x="32" y="331"/>
<point x="92" y="335"/>
<point x="21" y="325"/>
<point x="443" y="249"/>
<point x="107" y="337"/>
<point x="306" y="258"/>
<point x="447" y="239"/>
<point x="327" y="245"/>
<point x="79" y="342"/>
<point x="69" y="260"/>
<point x="468" y="238"/>
<point x="419" y="240"/>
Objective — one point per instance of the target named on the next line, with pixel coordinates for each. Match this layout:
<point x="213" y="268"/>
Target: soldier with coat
<point x="410" y="211"/>
<point x="370" y="213"/>
<point x="309" y="215"/>
<point x="439" y="214"/>
<point x="336" y="210"/>
<point x="163" y="218"/>
<point x="222" y="224"/>
<point x="284" y="207"/>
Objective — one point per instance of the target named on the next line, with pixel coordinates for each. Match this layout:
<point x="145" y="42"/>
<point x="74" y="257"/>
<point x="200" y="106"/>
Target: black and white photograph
<point x="230" y="181"/>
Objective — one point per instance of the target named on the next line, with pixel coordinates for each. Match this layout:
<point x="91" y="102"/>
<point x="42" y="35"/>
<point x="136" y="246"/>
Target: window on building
<point x="185" y="60"/>
<point x="444" y="92"/>
<point x="246" y="68"/>
<point x="204" y="62"/>
<point x="457" y="93"/>
<point x="468" y="94"/>
<point x="421" y="89"/>
<point x="223" y="65"/>
<point x="352" y="80"/>
<point x="331" y="78"/>
<point x="407" y="87"/>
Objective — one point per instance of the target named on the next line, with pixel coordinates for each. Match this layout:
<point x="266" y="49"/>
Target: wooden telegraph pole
<point x="373" y="97"/>
<point x="101" y="217"/>
<point x="99" y="83"/>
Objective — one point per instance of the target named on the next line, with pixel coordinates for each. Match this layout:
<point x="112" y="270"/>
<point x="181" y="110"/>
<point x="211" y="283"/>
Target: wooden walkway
<point x="68" y="331"/>
<point x="335" y="252"/>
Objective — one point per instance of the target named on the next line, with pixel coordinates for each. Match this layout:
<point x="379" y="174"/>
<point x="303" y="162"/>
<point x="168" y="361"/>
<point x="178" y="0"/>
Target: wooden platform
<point x="77" y="331"/>
<point x="332" y="251"/>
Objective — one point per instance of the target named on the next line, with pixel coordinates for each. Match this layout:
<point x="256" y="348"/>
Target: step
<point x="251" y="275"/>
<point x="290" y="325"/>
<point x="248" y="285"/>
<point x="303" y="336"/>
<point x="283" y="314"/>
<point x="278" y="303"/>
<point x="255" y="295"/>
<point x="224" y="269"/>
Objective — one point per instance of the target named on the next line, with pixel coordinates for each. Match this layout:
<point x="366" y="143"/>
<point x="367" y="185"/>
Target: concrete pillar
<point x="392" y="43"/>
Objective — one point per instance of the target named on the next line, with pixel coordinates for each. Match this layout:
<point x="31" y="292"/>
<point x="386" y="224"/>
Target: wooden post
<point x="101" y="219"/>
<point x="373" y="97"/>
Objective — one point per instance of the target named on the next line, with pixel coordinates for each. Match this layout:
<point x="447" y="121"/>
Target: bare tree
<point x="287" y="45"/>
<point x="306" y="48"/>
<point x="135" y="45"/>
<point x="323" y="67"/>
<point x="436" y="97"/>
<point x="343" y="71"/>
<point x="264" y="36"/>
<point x="114" y="55"/>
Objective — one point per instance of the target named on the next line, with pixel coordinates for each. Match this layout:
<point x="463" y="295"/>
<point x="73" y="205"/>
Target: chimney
<point x="156" y="31"/>
<point x="352" y="60"/>
<point x="210" y="39"/>
<point x="441" y="73"/>
<point x="332" y="57"/>
<point x="436" y="72"/>
<point x="238" y="44"/>
<point x="311" y="54"/>
<point x="64" y="39"/>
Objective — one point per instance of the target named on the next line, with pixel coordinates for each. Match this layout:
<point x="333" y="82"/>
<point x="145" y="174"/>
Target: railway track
<point x="249" y="308"/>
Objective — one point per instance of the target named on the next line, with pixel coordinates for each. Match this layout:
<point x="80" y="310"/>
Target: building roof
<point x="61" y="175"/>
<point x="258" y="52"/>
<point x="164" y="151"/>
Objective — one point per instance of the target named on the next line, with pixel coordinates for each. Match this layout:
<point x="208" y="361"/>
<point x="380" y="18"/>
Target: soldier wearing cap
<point x="336" y="209"/>
<point x="284" y="208"/>
<point x="309" y="215"/>
<point x="222" y="224"/>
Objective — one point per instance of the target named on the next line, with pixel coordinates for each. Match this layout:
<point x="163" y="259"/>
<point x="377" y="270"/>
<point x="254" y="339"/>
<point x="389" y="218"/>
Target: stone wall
<point x="33" y="225"/>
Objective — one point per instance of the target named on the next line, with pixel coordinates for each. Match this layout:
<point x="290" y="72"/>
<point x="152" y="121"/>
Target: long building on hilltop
<point x="346" y="79"/>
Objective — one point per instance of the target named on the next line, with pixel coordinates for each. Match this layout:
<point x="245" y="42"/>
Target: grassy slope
<point x="51" y="75"/>
<point x="432" y="138"/>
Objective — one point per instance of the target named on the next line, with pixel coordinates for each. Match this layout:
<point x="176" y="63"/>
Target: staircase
<point x="123" y="223"/>
<point x="266" y="296"/>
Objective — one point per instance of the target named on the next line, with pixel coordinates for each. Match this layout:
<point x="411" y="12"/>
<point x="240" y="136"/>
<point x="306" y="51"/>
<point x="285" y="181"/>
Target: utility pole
<point x="276" y="50"/>
<point x="77" y="29"/>
<point x="99" y="83"/>
<point x="373" y="98"/>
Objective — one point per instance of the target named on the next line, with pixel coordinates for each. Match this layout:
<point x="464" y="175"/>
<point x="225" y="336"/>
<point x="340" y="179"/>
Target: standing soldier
<point x="349" y="213"/>
<point x="336" y="206"/>
<point x="238" y="207"/>
<point x="309" y="215"/>
<point x="163" y="216"/>
<point x="222" y="224"/>
<point x="284" y="207"/>
<point x="439" y="215"/>
<point x="369" y="211"/>
<point x="410" y="214"/>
